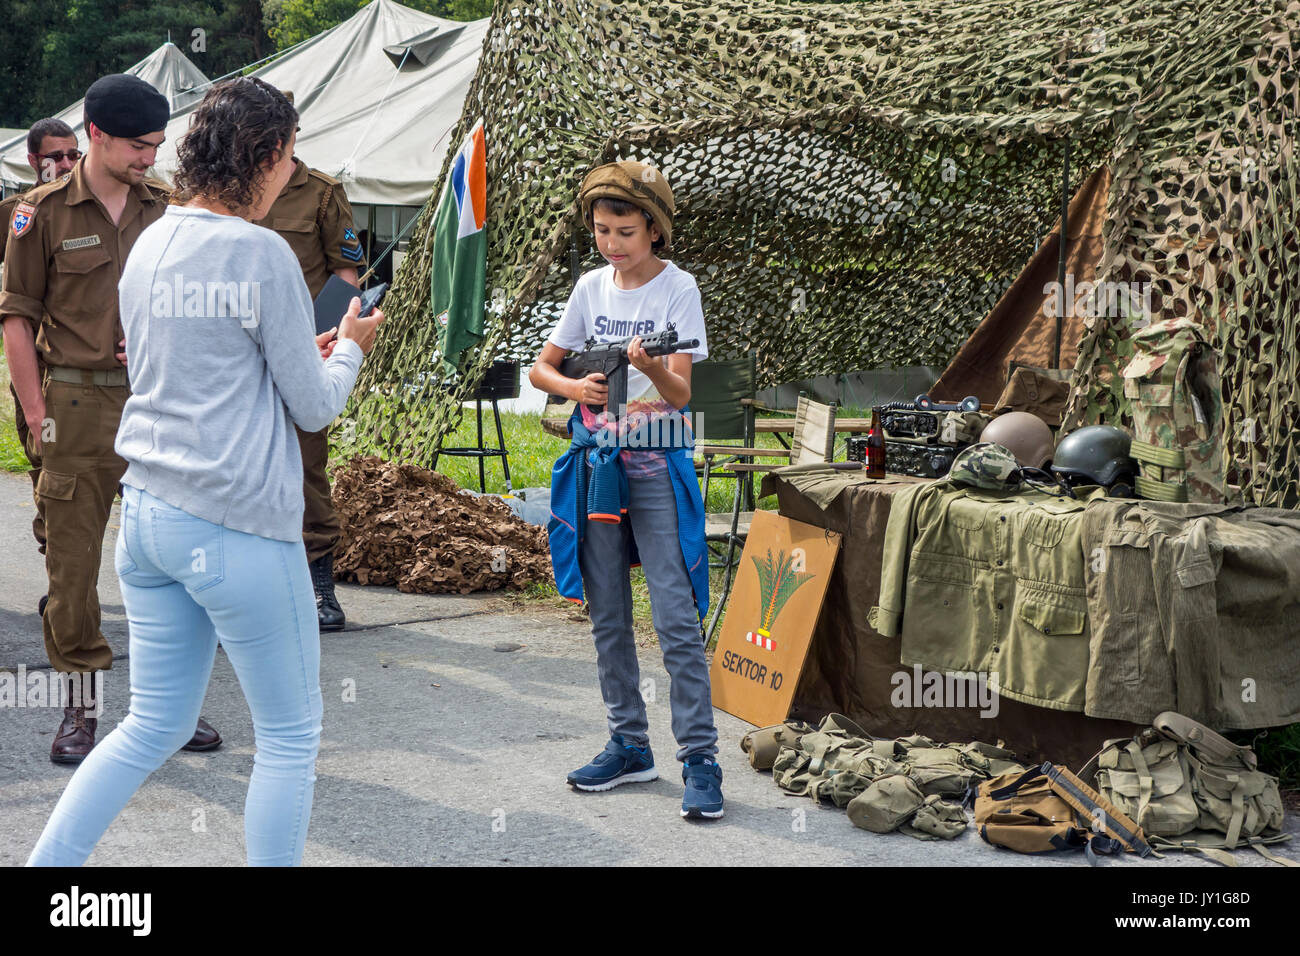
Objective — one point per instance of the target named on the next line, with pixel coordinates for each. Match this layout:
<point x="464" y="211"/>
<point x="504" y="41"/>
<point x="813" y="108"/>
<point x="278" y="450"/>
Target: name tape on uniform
<point x="81" y="243"/>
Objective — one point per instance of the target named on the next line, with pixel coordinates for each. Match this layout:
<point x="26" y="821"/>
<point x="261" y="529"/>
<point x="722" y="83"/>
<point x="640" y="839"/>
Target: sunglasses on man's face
<point x="59" y="155"/>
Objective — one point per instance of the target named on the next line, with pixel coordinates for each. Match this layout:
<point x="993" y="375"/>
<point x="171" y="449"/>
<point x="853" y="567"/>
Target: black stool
<point x="501" y="381"/>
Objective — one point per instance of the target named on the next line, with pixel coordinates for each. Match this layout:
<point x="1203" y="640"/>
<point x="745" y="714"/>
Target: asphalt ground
<point x="450" y="724"/>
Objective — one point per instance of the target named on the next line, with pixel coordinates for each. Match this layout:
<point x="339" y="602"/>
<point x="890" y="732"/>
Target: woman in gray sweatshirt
<point x="223" y="362"/>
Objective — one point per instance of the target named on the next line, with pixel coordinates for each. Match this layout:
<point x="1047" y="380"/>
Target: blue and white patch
<point x="349" y="235"/>
<point x="24" y="216"/>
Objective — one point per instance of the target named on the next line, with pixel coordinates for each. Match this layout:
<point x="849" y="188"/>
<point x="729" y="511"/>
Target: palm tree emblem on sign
<point x="777" y="582"/>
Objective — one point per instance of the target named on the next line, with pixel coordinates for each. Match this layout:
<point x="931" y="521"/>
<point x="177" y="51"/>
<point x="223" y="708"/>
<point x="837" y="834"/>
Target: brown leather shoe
<point x="205" y="738"/>
<point x="75" y="737"/>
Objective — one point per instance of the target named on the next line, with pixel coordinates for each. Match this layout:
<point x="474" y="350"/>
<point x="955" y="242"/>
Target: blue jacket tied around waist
<point x="573" y="498"/>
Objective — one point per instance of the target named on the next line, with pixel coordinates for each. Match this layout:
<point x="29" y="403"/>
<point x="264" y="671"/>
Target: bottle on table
<point x="875" y="447"/>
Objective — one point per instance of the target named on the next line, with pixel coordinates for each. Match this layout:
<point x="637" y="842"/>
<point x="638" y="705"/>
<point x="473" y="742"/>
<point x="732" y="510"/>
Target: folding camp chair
<point x="813" y="442"/>
<point x="722" y="410"/>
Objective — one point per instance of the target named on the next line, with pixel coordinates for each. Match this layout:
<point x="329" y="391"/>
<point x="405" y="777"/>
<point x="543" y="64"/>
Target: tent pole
<point x="1062" y="239"/>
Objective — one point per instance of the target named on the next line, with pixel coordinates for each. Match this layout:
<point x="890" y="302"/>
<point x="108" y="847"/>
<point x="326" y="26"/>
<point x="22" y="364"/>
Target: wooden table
<point x="769" y="426"/>
<point x="853" y="670"/>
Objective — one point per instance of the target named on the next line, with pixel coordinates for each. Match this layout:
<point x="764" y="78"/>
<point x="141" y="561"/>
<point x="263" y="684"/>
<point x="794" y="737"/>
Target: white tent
<point x="382" y="130"/>
<point x="169" y="71"/>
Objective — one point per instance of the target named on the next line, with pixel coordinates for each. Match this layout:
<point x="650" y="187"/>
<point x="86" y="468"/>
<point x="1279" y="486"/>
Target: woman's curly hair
<point x="233" y="133"/>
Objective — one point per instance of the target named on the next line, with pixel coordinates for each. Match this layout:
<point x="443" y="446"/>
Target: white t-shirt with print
<point x="599" y="309"/>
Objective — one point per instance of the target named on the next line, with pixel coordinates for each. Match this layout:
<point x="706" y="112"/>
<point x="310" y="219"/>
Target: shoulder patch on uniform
<point x="24" y="216"/>
<point x="160" y="189"/>
<point x="324" y="177"/>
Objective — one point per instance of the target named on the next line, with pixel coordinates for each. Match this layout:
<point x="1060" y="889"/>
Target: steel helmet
<point x="1026" y="435"/>
<point x="1096" y="455"/>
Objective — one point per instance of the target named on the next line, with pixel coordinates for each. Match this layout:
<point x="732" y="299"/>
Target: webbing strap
<point x="1155" y="455"/>
<point x="1238" y="810"/>
<point x="1280" y="860"/>
<point x="1145" y="782"/>
<point x="1154" y="490"/>
<point x="1058" y="780"/>
<point x="1010" y="790"/>
<point x="1217" y="850"/>
<point x="1100" y="844"/>
<point x="1218" y="856"/>
<point x="818" y="759"/>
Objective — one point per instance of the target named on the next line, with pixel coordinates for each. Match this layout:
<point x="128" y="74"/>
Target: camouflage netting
<point x="858" y="183"/>
<point x="414" y="528"/>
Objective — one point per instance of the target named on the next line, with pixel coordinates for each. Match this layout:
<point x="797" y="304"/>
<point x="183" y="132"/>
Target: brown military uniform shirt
<point x="323" y="239"/>
<point x="62" y="272"/>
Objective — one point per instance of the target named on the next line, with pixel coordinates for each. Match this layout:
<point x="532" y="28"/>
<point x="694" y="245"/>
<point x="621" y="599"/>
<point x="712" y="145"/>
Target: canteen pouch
<point x="885" y="805"/>
<point x="764" y="744"/>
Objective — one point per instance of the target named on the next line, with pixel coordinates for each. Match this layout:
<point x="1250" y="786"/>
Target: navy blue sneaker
<point x="617" y="764"/>
<point x="703" y="779"/>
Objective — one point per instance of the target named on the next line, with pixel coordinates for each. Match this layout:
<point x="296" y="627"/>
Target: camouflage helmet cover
<point x="985" y="465"/>
<point x="641" y="185"/>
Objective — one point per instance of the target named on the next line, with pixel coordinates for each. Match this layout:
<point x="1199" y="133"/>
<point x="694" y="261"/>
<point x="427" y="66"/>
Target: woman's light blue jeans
<point x="186" y="584"/>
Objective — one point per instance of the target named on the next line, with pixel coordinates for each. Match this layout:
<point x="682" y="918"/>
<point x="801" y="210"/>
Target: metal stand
<point x="502" y="381"/>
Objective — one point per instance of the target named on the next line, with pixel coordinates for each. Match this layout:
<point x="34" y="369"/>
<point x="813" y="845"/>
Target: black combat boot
<point x="328" y="611"/>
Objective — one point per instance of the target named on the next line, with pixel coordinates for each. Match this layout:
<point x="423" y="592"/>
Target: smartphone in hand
<point x="332" y="303"/>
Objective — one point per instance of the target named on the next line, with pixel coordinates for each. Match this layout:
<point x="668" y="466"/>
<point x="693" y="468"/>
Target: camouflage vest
<point x="1173" y="383"/>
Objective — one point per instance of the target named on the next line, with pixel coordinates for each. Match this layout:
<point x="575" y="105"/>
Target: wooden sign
<point x="773" y="608"/>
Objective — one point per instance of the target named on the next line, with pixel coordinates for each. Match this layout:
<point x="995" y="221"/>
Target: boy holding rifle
<point x="660" y="518"/>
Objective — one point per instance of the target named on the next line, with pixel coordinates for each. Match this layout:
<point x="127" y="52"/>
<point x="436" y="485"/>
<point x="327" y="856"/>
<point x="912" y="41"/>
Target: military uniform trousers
<point x="20" y="423"/>
<point x="320" y="522"/>
<point x="78" y="481"/>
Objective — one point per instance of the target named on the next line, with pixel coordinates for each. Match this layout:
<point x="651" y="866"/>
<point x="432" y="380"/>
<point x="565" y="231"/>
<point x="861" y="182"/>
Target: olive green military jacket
<point x="1194" y="608"/>
<point x="992" y="582"/>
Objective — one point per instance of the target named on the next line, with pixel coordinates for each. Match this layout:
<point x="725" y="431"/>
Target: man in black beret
<point x="67" y="242"/>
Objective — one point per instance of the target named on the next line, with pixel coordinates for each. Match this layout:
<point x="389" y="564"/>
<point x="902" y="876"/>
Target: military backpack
<point x="1048" y="809"/>
<point x="1173" y="384"/>
<point x="1191" y="789"/>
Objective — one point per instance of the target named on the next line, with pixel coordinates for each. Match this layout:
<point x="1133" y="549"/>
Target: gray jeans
<point x="652" y="517"/>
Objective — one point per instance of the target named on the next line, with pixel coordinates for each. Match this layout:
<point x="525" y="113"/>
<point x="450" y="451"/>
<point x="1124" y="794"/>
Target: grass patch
<point x="1279" y="752"/>
<point x="12" y="457"/>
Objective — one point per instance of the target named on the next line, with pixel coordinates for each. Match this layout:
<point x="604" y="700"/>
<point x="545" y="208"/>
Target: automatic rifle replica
<point x="610" y="360"/>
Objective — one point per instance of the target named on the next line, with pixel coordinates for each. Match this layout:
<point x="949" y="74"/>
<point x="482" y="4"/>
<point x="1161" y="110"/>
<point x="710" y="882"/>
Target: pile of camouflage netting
<point x="414" y="528"/>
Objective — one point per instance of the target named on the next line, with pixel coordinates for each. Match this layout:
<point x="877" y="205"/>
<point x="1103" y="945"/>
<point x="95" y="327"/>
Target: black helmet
<point x="1097" y="455"/>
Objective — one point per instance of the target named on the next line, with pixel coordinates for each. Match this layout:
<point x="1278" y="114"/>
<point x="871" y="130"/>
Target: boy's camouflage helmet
<point x="986" y="465"/>
<point x="642" y="185"/>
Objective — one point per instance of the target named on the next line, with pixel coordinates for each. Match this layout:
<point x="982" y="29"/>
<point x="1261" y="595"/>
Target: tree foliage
<point x="292" y="21"/>
<point x="52" y="50"/>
